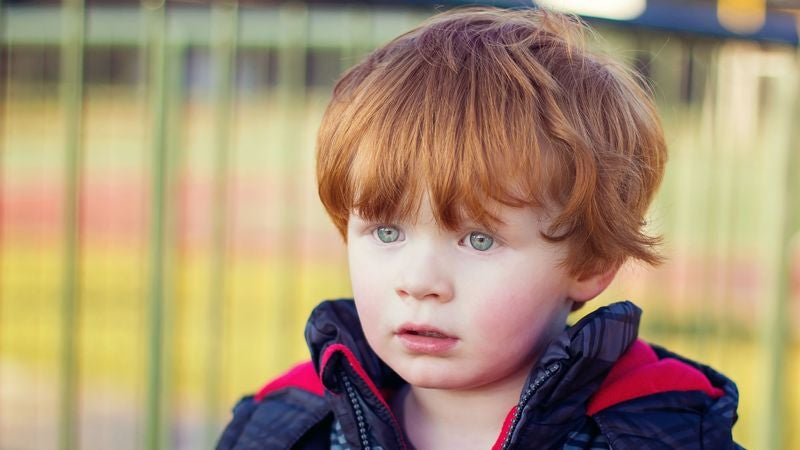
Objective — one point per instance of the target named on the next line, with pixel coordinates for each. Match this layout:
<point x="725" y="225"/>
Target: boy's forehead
<point x="496" y="216"/>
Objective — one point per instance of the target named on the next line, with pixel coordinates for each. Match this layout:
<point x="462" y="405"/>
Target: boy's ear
<point x="587" y="287"/>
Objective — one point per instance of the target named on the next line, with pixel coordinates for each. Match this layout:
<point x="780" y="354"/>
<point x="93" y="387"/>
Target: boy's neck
<point x="458" y="419"/>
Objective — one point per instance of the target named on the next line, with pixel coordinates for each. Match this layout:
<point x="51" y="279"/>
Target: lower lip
<point x="426" y="344"/>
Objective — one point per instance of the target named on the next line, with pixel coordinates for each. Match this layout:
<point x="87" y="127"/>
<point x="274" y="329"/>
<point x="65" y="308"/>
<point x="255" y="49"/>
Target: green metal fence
<point x="166" y="314"/>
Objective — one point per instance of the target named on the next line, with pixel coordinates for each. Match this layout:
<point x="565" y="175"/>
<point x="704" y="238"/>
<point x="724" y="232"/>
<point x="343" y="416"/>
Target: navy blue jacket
<point x="595" y="387"/>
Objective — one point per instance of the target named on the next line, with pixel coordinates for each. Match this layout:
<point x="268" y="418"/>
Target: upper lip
<point x="413" y="328"/>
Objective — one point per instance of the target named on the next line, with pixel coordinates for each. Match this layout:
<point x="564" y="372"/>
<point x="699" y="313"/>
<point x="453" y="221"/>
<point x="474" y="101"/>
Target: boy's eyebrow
<point x="472" y="225"/>
<point x="375" y="220"/>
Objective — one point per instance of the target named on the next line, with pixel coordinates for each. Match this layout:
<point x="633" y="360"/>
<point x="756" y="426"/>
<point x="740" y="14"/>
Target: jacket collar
<point x="357" y="382"/>
<point x="334" y="325"/>
<point x="552" y="398"/>
<point x="591" y="346"/>
<point x="568" y="373"/>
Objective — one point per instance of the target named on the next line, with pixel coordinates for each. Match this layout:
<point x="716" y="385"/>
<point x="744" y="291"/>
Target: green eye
<point x="387" y="235"/>
<point x="480" y="241"/>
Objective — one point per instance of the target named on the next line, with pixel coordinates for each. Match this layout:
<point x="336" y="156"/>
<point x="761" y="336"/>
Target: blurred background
<point x="161" y="241"/>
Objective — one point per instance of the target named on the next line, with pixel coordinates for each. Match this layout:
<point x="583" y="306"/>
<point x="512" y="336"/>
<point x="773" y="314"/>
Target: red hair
<point x="480" y="105"/>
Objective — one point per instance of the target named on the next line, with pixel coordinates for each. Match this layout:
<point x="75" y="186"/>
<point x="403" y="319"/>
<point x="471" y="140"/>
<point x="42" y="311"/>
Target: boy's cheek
<point x="366" y="273"/>
<point x="357" y="258"/>
<point x="368" y="280"/>
<point x="518" y="300"/>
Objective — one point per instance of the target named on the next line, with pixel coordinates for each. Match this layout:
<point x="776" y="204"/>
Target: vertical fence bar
<point x="225" y="15"/>
<point x="723" y="157"/>
<point x="788" y="282"/>
<point x="360" y="40"/>
<point x="156" y="44"/>
<point x="291" y="83"/>
<point x="73" y="16"/>
<point x="172" y="98"/>
<point x="4" y="57"/>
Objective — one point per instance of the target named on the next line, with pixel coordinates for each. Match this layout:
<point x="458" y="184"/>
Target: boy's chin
<point x="424" y="376"/>
<point x="433" y="383"/>
<point x="433" y="378"/>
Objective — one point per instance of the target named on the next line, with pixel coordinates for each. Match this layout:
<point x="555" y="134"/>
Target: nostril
<point x="403" y="293"/>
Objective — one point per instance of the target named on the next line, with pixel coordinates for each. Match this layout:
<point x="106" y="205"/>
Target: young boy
<point x="489" y="175"/>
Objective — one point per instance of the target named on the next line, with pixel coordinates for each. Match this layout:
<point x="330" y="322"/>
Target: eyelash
<point x="464" y="241"/>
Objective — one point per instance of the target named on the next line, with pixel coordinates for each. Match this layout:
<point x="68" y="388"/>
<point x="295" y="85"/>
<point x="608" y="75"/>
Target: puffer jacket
<point x="595" y="387"/>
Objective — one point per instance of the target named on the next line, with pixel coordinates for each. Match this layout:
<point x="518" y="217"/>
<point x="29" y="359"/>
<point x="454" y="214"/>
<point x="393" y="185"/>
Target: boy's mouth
<point x="423" y="330"/>
<point x="424" y="339"/>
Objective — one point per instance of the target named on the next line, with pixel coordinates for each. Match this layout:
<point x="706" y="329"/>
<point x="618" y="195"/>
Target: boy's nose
<point x="424" y="277"/>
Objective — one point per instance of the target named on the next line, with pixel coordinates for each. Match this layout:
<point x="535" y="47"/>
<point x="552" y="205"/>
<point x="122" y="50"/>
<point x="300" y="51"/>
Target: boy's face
<point x="458" y="310"/>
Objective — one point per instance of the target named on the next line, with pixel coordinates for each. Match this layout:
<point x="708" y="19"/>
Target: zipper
<point x="349" y="374"/>
<point x="362" y="426"/>
<point x="525" y="398"/>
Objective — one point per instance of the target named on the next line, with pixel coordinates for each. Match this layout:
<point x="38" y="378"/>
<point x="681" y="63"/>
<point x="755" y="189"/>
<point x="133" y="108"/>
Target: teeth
<point x="432" y="334"/>
<point x="428" y="334"/>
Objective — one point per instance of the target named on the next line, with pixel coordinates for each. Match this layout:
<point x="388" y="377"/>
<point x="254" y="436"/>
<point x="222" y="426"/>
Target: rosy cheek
<point x="515" y="311"/>
<point x="368" y="295"/>
<point x="500" y="319"/>
<point x="369" y="316"/>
